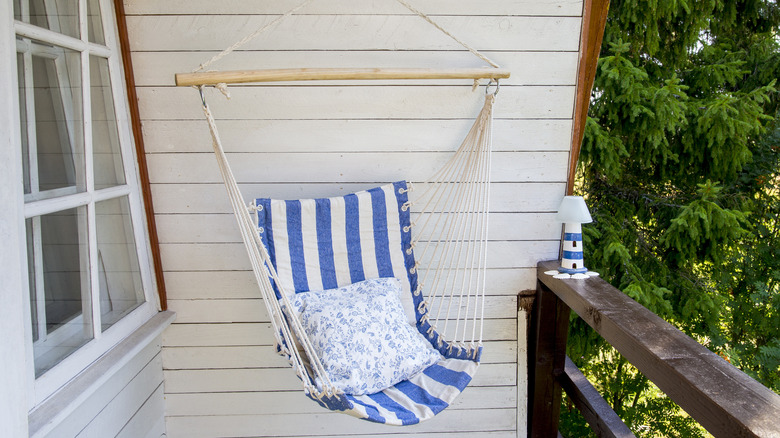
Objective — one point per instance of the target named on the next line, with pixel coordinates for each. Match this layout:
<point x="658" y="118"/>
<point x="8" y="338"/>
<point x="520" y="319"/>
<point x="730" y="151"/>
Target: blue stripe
<point x="421" y="396"/>
<point x="333" y="402"/>
<point x="381" y="241"/>
<point x="295" y="236"/>
<point x="325" y="244"/>
<point x="406" y="416"/>
<point x="354" y="253"/>
<point x="573" y="255"/>
<point x="458" y="379"/>
<point x="572" y="236"/>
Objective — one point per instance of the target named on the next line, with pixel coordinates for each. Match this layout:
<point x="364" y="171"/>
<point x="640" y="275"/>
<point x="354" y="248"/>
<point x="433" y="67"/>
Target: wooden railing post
<point x="723" y="399"/>
<point x="547" y="359"/>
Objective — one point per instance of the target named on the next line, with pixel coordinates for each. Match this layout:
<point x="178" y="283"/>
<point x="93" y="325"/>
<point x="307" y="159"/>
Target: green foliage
<point x="680" y="166"/>
<point x="703" y="229"/>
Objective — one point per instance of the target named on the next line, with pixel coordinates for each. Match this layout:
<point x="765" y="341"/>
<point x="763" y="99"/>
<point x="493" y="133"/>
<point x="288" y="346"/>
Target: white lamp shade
<point x="574" y="210"/>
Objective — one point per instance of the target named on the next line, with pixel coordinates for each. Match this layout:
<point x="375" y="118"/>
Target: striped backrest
<point x="318" y="244"/>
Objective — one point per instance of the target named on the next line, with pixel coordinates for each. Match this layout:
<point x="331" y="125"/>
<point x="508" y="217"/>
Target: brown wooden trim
<point x="135" y="119"/>
<point x="597" y="412"/>
<point x="723" y="399"/>
<point x="594" y="18"/>
<point x="547" y="357"/>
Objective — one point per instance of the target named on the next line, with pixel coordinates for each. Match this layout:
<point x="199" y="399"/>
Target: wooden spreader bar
<point x="334" y="74"/>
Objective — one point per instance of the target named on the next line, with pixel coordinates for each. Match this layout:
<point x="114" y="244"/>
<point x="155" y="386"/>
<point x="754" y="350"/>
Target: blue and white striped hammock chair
<point x="439" y="260"/>
<point x="419" y="283"/>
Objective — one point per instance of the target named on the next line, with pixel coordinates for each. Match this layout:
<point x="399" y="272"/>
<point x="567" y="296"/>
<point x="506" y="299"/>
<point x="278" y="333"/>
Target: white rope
<point x="453" y="231"/>
<point x="250" y="37"/>
<point x="238" y="44"/>
<point x="436" y="25"/>
<point x="263" y="269"/>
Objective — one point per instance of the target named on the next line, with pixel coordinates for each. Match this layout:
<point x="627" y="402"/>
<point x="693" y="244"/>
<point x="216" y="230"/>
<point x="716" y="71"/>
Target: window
<point x="89" y="275"/>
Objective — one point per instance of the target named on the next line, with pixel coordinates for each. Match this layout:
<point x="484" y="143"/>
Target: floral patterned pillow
<point x="361" y="335"/>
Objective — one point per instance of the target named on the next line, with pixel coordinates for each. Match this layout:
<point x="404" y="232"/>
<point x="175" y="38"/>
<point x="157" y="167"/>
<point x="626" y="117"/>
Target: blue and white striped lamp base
<point x="575" y="276"/>
<point x="581" y="270"/>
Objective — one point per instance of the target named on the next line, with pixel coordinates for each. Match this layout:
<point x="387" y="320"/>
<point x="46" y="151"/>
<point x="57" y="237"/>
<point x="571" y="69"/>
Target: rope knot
<point x="223" y="88"/>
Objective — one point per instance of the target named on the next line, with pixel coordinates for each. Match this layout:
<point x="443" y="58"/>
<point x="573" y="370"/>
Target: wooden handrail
<point x="723" y="399"/>
<point x="334" y="74"/>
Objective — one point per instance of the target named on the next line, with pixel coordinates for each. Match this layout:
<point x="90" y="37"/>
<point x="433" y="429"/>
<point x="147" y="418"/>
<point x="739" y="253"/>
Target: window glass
<point x="105" y="136"/>
<point x="17" y="9"/>
<point x="121" y="289"/>
<point x="55" y="122"/>
<point x="57" y="246"/>
<point x="94" y="24"/>
<point x="60" y="16"/>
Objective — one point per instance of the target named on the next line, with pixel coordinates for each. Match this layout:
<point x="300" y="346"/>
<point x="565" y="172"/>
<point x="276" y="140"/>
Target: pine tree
<point x="680" y="167"/>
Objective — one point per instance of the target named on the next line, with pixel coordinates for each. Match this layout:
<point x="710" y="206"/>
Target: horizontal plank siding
<point x="221" y="228"/>
<point x="491" y="434"/>
<point x="214" y="285"/>
<point x="313" y="424"/>
<point x="176" y="358"/>
<point x="232" y="256"/>
<point x="253" y="310"/>
<point x="293" y="140"/>
<point x="195" y="197"/>
<point x="256" y="403"/>
<point x="530" y="135"/>
<point x="349" y="7"/>
<point x="115" y="403"/>
<point x="143" y="424"/>
<point x="356" y="102"/>
<point x="387" y="166"/>
<point x="281" y="379"/>
<point x="259" y="333"/>
<point x="120" y="411"/>
<point x="358" y="32"/>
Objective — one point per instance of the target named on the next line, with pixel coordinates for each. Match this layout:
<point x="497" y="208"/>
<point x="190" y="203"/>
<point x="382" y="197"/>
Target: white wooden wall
<point x="324" y="139"/>
<point x="129" y="405"/>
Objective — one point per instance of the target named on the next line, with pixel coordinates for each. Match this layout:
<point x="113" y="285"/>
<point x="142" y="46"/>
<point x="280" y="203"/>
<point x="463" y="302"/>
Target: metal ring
<point x="202" y="98"/>
<point x="492" y="81"/>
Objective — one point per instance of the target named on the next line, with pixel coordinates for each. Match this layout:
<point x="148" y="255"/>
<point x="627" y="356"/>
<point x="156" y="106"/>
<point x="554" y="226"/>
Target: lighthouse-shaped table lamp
<point x="573" y="213"/>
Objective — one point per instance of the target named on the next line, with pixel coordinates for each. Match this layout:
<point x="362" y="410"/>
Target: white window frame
<point x="38" y="389"/>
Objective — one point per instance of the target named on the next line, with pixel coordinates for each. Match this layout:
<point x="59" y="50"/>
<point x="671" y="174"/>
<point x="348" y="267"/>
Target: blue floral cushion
<point x="361" y="335"/>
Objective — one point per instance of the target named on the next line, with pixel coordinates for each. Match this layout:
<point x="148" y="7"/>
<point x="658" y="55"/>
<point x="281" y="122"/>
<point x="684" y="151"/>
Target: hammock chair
<point x="379" y="314"/>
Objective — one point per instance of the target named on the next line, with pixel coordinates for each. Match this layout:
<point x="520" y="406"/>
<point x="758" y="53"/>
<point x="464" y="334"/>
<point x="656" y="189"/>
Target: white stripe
<point x="366" y="217"/>
<point x="397" y="252"/>
<point x="445" y="393"/>
<point x="282" y="245"/>
<point x="460" y="365"/>
<point x="390" y="417"/>
<point x="310" y="250"/>
<point x="338" y="231"/>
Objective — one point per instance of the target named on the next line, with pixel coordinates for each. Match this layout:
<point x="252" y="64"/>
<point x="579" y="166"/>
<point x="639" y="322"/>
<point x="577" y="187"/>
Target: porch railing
<point x="723" y="399"/>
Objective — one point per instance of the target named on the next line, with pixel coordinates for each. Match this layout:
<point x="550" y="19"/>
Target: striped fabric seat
<point x="318" y="244"/>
